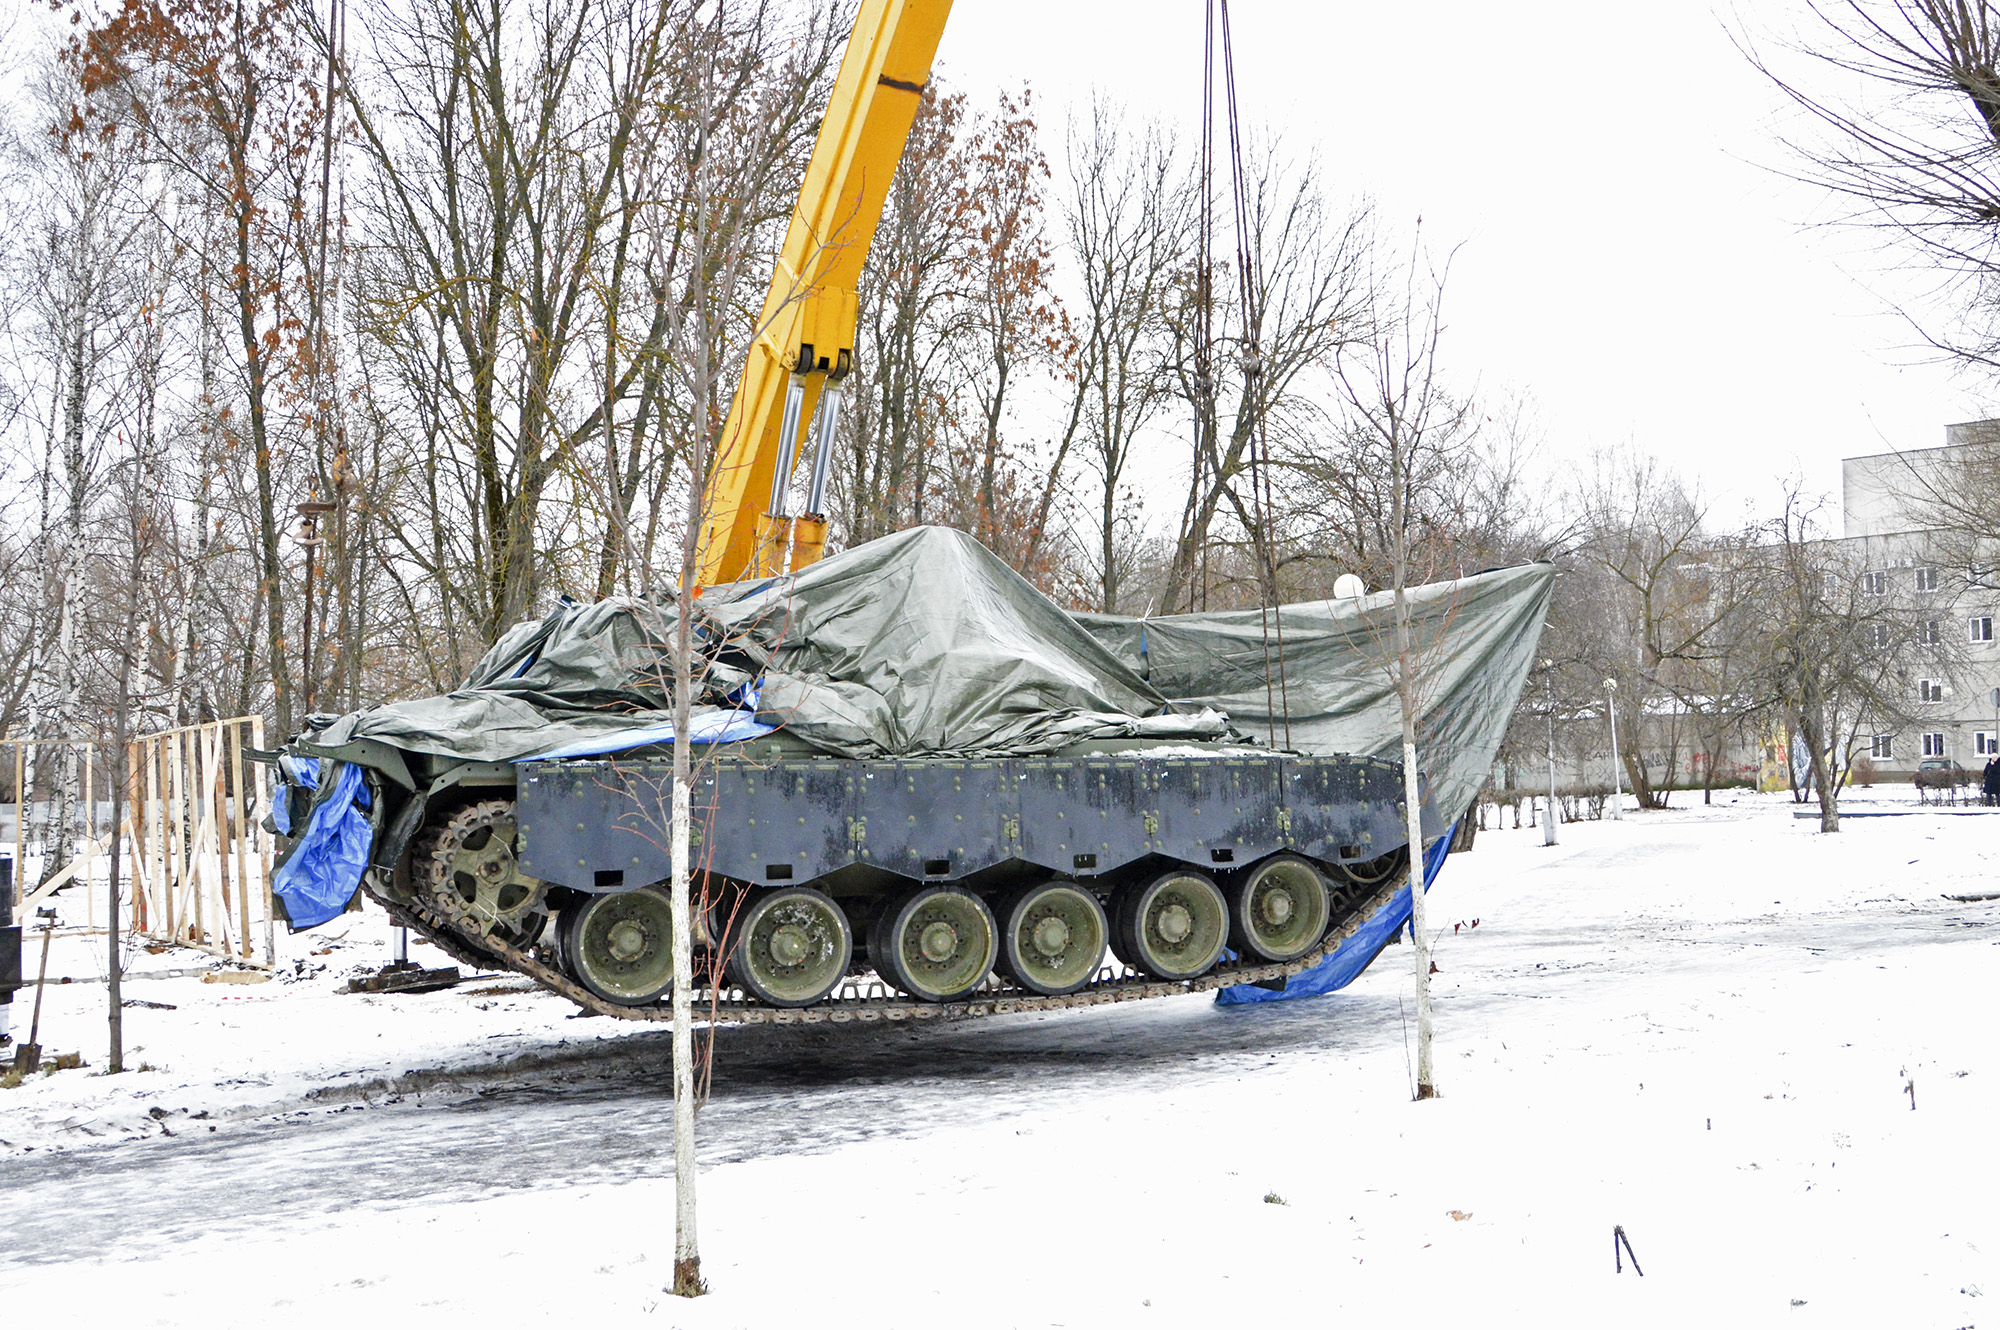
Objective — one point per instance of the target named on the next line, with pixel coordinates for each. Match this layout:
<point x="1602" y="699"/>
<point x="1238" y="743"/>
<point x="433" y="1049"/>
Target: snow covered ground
<point x="1767" y="1054"/>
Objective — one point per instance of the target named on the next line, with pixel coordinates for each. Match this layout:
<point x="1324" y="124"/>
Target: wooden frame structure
<point x="196" y="863"/>
<point x="201" y="867"/>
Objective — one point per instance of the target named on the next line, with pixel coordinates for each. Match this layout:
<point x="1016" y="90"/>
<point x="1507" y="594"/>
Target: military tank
<point x="923" y="790"/>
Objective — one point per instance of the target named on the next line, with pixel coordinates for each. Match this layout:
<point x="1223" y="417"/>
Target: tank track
<point x="868" y="1000"/>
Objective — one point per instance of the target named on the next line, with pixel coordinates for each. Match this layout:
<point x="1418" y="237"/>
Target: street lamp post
<point x="1617" y="786"/>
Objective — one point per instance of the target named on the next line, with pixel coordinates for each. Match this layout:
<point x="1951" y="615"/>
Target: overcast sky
<point x="1628" y="256"/>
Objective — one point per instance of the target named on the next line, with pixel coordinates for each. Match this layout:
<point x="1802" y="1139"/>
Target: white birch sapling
<point x="1419" y="436"/>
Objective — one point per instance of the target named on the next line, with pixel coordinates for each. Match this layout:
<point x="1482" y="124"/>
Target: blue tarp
<point x="321" y="874"/>
<point x="300" y="771"/>
<point x="714" y="727"/>
<point x="1351" y="957"/>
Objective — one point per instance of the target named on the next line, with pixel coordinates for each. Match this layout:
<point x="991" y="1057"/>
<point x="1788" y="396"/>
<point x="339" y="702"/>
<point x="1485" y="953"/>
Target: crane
<point x="1201" y="864"/>
<point x="804" y="349"/>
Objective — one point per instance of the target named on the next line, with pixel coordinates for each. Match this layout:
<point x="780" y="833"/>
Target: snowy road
<point x="776" y="1091"/>
<point x="1766" y="1054"/>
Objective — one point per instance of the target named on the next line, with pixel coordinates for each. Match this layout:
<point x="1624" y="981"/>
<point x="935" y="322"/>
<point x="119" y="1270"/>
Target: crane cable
<point x="1205" y="460"/>
<point x="1248" y="266"/>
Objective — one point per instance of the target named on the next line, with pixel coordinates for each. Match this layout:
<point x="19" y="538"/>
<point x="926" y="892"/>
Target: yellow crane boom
<point x="806" y="344"/>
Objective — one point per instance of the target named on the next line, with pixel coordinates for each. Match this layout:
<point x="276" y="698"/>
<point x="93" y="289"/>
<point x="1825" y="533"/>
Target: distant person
<point x="1989" y="784"/>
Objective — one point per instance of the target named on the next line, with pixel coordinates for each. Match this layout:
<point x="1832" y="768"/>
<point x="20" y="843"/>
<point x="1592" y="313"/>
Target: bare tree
<point x="1408" y="425"/>
<point x="223" y="97"/>
<point x="1128" y="215"/>
<point x="1646" y="533"/>
<point x="1305" y="272"/>
<point x="1839" y="655"/>
<point x="911" y="314"/>
<point x="1952" y="495"/>
<point x="1014" y="325"/>
<point x="959" y="318"/>
<point x="509" y="295"/>
<point x="1901" y="100"/>
<point x="83" y="301"/>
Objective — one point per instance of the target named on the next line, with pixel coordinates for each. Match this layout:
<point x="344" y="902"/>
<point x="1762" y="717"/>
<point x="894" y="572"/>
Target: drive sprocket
<point x="465" y="869"/>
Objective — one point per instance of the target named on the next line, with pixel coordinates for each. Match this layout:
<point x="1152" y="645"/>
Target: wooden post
<point x="264" y="849"/>
<point x="239" y="813"/>
<point x="178" y="807"/>
<point x="156" y="835"/>
<point x="197" y="858"/>
<point x="217" y="861"/>
<point x="219" y="837"/>
<point x="218" y="804"/>
<point x="135" y="836"/>
<point x="170" y="880"/>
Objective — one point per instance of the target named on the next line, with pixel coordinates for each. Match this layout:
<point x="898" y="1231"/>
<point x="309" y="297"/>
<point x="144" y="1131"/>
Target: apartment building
<point x="1892" y="531"/>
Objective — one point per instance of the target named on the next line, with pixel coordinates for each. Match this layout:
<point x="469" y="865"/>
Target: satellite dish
<point x="1347" y="586"/>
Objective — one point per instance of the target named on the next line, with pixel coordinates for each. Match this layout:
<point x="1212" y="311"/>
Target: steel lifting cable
<point x="1205" y="459"/>
<point x="1205" y="424"/>
<point x="1248" y="261"/>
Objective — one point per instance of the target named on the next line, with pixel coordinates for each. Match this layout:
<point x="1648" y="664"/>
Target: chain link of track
<point x="857" y="1000"/>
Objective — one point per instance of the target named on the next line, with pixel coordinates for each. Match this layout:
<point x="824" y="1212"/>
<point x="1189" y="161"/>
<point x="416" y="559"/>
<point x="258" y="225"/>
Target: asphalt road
<point x="775" y="1091"/>
<point x="608" y="1118"/>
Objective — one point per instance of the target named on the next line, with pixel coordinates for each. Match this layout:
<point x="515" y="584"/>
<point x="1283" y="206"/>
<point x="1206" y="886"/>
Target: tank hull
<point x="866" y="835"/>
<point x="601" y="825"/>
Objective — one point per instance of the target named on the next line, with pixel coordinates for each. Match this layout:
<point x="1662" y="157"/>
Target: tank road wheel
<point x="1279" y="910"/>
<point x="1172" y="927"/>
<point x="465" y="870"/>
<point x="620" y="946"/>
<point x="1052" y="938"/>
<point x="792" y="945"/>
<point x="935" y="943"/>
<point x="1371" y="873"/>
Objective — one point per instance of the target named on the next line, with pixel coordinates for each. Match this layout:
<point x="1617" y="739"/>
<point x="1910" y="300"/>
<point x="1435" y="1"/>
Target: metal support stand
<point x="401" y="975"/>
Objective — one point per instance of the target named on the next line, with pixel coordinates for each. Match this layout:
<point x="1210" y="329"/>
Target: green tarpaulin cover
<point x="924" y="643"/>
<point x="1473" y="640"/>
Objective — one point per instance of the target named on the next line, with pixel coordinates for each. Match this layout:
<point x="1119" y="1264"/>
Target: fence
<point x="195" y="862"/>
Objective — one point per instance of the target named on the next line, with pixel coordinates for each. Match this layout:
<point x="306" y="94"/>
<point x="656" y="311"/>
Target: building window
<point x="1985" y="743"/>
<point x="1875" y="584"/>
<point x="1932" y="633"/>
<point x="1982" y="628"/>
<point x="1926" y="579"/>
<point x="1882" y="747"/>
<point x="1934" y="744"/>
<point x="1880" y="634"/>
<point x="1930" y="690"/>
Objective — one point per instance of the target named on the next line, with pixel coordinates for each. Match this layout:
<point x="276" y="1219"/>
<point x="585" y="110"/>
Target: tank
<point x="925" y="791"/>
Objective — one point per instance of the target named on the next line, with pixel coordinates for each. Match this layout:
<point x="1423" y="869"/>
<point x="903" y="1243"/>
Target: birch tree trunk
<point x="1414" y="433"/>
<point x="687" y="1251"/>
<point x="1406" y="693"/>
<point x="1426" y="1081"/>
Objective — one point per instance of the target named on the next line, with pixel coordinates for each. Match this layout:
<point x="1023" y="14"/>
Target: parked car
<point x="1941" y="773"/>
